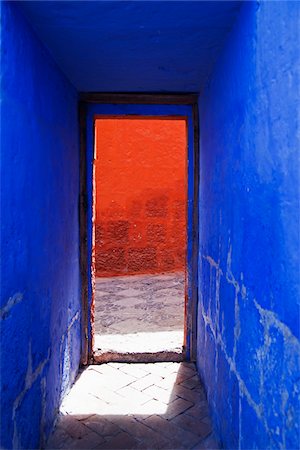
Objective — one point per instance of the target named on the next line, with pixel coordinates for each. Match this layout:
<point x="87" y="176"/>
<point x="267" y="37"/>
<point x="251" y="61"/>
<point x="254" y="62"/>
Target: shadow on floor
<point x="135" y="406"/>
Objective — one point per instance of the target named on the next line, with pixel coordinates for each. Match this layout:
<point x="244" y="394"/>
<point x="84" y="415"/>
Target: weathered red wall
<point x="140" y="178"/>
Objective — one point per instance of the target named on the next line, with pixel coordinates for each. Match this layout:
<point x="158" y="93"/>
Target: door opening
<point x="162" y="108"/>
<point x="140" y="208"/>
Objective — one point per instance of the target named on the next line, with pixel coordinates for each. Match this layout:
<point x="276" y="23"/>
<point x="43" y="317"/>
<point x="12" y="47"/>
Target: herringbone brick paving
<point x="135" y="406"/>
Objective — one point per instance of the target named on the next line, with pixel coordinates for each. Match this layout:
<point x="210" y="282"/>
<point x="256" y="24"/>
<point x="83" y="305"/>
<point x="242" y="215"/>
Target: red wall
<point x="140" y="179"/>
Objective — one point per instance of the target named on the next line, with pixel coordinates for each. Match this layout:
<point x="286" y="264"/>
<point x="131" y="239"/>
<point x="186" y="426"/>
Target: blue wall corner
<point x="40" y="283"/>
<point x="248" y="340"/>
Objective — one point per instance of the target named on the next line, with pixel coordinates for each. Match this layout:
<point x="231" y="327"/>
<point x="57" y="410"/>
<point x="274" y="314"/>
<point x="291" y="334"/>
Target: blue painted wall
<point x="248" y="343"/>
<point x="133" y="46"/>
<point x="40" y="289"/>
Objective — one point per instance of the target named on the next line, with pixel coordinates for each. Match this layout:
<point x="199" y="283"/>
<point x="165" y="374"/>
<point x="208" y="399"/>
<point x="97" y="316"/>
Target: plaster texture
<point x="248" y="321"/>
<point x="140" y="188"/>
<point x="128" y="46"/>
<point x="40" y="289"/>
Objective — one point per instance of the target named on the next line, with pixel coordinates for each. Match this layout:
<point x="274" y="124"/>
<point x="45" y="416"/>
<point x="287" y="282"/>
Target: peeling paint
<point x="40" y="280"/>
<point x="30" y="378"/>
<point x="249" y="232"/>
<point x="12" y="301"/>
<point x="65" y="353"/>
<point x="43" y="437"/>
<point x="269" y="319"/>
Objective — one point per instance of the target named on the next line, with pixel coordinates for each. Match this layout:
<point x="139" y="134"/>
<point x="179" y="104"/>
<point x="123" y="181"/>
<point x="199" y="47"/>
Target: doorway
<point x="137" y="261"/>
<point x="140" y="210"/>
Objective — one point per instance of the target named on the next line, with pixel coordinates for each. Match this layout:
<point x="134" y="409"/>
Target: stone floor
<point x="135" y="406"/>
<point x="139" y="313"/>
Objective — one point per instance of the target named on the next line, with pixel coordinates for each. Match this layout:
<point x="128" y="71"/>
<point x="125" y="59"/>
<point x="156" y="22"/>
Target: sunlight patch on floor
<point x="135" y="405"/>
<point x="150" y="342"/>
<point x="103" y="391"/>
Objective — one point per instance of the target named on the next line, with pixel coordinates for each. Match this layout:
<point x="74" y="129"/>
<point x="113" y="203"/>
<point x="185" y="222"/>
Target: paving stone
<point x="190" y="383"/>
<point x="199" y="387"/>
<point x="159" y="369"/>
<point x="108" y="396"/>
<point x="130" y="292"/>
<point x="121" y="441"/>
<point x="101" y="426"/>
<point x="139" y="304"/>
<point x="170" y="430"/>
<point x="200" y="410"/>
<point x="134" y="396"/>
<point x="82" y="404"/>
<point x="99" y="293"/>
<point x="188" y="370"/>
<point x="134" y="370"/>
<point x="105" y="414"/>
<point x="177" y="378"/>
<point x="207" y="420"/>
<point x="177" y="407"/>
<point x="142" y="366"/>
<point x="82" y="417"/>
<point x="145" y="382"/>
<point x="168" y="382"/>
<point x="114" y="378"/>
<point x="188" y="394"/>
<point x="115" y="365"/>
<point x="88" y="442"/>
<point x="142" y="432"/>
<point x="58" y="439"/>
<point x="160" y="394"/>
<point x="73" y="427"/>
<point x="193" y="424"/>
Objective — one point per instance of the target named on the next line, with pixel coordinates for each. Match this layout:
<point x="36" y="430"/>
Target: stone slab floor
<point x="139" y="313"/>
<point x="135" y="406"/>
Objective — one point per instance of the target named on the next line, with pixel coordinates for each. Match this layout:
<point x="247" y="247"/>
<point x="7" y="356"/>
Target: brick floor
<point x="135" y="406"/>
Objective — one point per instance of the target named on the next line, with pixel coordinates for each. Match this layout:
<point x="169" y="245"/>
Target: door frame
<point x="95" y="105"/>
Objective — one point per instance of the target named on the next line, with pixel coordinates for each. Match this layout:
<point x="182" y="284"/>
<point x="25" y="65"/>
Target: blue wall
<point x="248" y="343"/>
<point x="133" y="46"/>
<point x="40" y="289"/>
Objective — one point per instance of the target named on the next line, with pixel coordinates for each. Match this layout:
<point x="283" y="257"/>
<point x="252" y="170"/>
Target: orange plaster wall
<point x="140" y="200"/>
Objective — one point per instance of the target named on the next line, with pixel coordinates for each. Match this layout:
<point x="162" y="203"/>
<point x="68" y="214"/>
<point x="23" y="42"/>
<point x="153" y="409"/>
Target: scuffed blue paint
<point x="134" y="46"/>
<point x="40" y="288"/>
<point x="186" y="111"/>
<point x="248" y="340"/>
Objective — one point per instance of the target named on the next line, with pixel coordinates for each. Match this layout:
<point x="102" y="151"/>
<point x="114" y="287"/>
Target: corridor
<point x="227" y="72"/>
<point x="135" y="406"/>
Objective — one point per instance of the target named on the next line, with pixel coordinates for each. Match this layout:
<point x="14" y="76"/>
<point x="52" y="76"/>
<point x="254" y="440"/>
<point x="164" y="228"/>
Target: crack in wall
<point x="30" y="378"/>
<point x="269" y="320"/>
<point x="12" y="301"/>
<point x="43" y="415"/>
<point x="65" y="355"/>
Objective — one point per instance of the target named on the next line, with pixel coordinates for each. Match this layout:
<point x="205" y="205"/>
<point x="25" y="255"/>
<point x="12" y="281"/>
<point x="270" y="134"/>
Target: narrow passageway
<point x="135" y="406"/>
<point x="142" y="138"/>
<point x="140" y="313"/>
